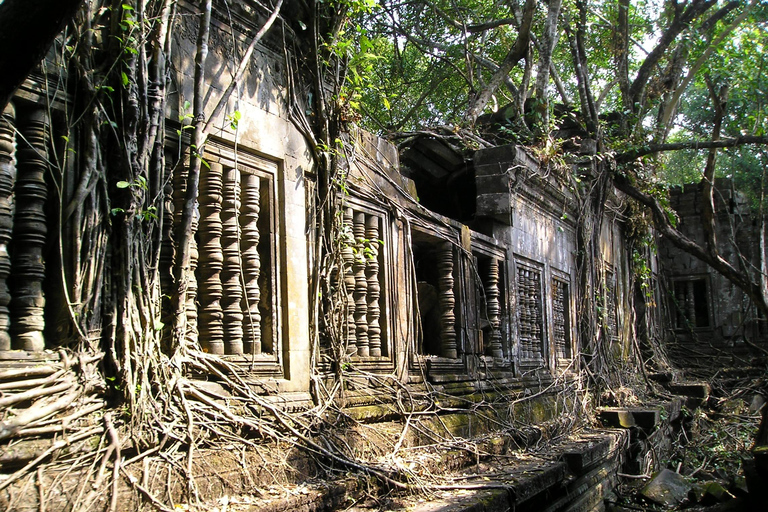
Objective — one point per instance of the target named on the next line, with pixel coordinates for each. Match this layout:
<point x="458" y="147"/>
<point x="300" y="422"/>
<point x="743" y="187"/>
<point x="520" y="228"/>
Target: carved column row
<point x="360" y="254"/>
<point x="530" y="318"/>
<point x="493" y="306"/>
<point x="560" y="327"/>
<point x="230" y="270"/>
<point x="447" y="301"/>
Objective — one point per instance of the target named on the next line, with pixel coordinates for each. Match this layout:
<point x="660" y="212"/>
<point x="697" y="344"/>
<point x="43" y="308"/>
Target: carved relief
<point x="212" y="259"/>
<point x="29" y="234"/>
<point x="447" y="301"/>
<point x="7" y="181"/>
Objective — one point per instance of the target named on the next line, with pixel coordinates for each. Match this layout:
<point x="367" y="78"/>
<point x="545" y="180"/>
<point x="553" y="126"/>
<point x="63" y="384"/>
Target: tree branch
<point x="623" y="158"/>
<point x="514" y="55"/>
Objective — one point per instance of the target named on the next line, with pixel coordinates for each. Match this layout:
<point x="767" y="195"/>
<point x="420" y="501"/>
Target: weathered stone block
<point x="584" y="455"/>
<point x="667" y="488"/>
<point x="690" y="389"/>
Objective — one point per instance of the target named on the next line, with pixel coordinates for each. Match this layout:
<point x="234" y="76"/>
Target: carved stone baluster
<point x="230" y="274"/>
<point x="348" y="256"/>
<point x="193" y="335"/>
<point x="374" y="289"/>
<point x="7" y="180"/>
<point x="361" y="285"/>
<point x="492" y="295"/>
<point x="179" y="194"/>
<point x="249" y="226"/>
<point x="527" y="313"/>
<point x="29" y="234"/>
<point x="538" y="318"/>
<point x="211" y="259"/>
<point x="447" y="301"/>
<point x="557" y="318"/>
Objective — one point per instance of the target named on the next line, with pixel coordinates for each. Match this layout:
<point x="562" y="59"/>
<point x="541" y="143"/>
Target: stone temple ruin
<point x="460" y="281"/>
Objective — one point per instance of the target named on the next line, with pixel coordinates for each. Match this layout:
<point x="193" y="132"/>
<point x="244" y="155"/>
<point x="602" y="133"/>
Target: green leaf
<point x="124" y="77"/>
<point x="122" y="184"/>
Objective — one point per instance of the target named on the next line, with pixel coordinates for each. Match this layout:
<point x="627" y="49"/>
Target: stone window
<point x="237" y="292"/>
<point x="691" y="303"/>
<point x="530" y="314"/>
<point x="435" y="262"/>
<point x="364" y="279"/>
<point x="561" y="320"/>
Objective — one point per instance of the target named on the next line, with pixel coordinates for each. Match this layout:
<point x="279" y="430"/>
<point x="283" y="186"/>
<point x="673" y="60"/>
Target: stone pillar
<point x="7" y="181"/>
<point x="447" y="301"/>
<point x="361" y="285"/>
<point x="249" y="227"/>
<point x="348" y="257"/>
<point x="493" y="306"/>
<point x="211" y="259"/>
<point x="374" y="289"/>
<point x="29" y="234"/>
<point x="230" y="274"/>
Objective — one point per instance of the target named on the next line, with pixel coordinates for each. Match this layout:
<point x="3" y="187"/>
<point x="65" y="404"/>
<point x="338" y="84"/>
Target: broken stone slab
<point x="626" y="417"/>
<point x="667" y="488"/>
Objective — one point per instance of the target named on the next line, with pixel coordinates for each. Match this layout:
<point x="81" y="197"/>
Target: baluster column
<point x="494" y="308"/>
<point x="211" y="258"/>
<point x="374" y="289"/>
<point x="29" y="234"/>
<point x="249" y="226"/>
<point x="348" y="257"/>
<point x="7" y="181"/>
<point x="230" y="274"/>
<point x="447" y="301"/>
<point x="361" y="285"/>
